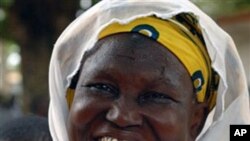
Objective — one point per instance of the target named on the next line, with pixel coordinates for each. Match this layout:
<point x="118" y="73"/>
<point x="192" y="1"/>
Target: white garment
<point x="232" y="101"/>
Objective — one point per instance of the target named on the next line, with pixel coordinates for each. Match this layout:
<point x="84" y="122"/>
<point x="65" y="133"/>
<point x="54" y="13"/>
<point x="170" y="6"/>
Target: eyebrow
<point x="103" y="73"/>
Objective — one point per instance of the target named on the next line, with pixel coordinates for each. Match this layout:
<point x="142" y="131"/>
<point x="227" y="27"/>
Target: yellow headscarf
<point x="176" y="37"/>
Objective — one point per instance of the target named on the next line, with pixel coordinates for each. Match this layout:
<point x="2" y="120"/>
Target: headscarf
<point x="81" y="35"/>
<point x="180" y="41"/>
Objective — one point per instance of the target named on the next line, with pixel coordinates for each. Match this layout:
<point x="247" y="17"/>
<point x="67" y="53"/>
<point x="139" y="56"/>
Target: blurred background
<point x="29" y="28"/>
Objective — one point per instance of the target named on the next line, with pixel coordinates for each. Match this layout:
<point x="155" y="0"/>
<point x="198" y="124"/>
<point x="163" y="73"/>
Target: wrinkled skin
<point x="132" y="88"/>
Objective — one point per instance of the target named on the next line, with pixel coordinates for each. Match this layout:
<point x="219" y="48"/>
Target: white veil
<point x="232" y="101"/>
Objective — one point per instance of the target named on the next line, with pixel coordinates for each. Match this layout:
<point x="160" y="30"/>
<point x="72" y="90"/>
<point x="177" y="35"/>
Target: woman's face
<point x="133" y="89"/>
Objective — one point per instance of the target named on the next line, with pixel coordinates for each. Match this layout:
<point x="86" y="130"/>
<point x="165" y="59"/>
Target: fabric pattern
<point x="179" y="40"/>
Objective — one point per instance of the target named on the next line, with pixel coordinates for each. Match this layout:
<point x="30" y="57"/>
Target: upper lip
<point x="120" y="135"/>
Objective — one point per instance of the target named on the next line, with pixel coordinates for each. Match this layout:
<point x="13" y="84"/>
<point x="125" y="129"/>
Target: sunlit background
<point x="29" y="28"/>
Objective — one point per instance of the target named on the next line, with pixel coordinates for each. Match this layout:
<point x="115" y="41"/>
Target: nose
<point x="124" y="115"/>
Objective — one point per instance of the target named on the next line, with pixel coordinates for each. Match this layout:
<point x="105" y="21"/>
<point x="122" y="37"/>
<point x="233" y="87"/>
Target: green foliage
<point x="4" y="7"/>
<point x="6" y="3"/>
<point x="217" y="8"/>
<point x="3" y="24"/>
<point x="95" y="1"/>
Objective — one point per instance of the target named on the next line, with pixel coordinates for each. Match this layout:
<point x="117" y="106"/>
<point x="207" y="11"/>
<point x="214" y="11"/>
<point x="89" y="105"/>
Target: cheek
<point x="169" y="124"/>
<point x="83" y="112"/>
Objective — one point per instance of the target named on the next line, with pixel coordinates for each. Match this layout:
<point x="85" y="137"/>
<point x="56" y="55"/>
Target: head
<point x="133" y="88"/>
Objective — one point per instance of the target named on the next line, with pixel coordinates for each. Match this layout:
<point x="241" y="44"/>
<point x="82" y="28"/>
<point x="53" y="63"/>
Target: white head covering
<point x="232" y="101"/>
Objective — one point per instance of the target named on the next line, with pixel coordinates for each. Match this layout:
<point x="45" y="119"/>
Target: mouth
<point x="106" y="138"/>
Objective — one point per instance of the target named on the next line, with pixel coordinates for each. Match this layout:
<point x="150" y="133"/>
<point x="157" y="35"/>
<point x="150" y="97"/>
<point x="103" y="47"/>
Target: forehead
<point x="135" y="55"/>
<point x="134" y="48"/>
<point x="132" y="51"/>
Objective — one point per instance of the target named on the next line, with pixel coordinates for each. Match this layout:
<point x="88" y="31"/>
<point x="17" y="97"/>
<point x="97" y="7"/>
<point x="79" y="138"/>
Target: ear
<point x="198" y="118"/>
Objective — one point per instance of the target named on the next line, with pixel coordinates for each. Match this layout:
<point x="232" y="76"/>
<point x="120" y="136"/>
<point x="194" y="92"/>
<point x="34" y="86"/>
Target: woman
<point x="145" y="70"/>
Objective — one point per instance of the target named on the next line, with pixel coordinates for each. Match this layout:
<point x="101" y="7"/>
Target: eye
<point x="155" y="97"/>
<point x="103" y="88"/>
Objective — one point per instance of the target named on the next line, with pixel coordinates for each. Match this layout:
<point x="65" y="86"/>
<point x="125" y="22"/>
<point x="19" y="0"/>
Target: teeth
<point x="108" y="139"/>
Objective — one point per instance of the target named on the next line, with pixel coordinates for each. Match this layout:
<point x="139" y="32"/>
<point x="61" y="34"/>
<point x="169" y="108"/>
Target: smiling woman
<point x="114" y="97"/>
<point x="145" y="71"/>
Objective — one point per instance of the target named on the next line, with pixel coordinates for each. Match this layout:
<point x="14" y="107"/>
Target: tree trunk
<point x="35" y="25"/>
